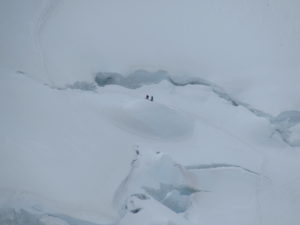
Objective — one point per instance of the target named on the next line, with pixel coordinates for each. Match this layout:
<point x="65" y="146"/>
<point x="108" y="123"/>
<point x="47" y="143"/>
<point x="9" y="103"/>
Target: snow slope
<point x="65" y="153"/>
<point x="250" y="48"/>
<point x="219" y="144"/>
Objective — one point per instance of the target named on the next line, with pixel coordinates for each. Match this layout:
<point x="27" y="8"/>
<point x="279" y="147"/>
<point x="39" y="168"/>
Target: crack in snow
<point x="219" y="165"/>
<point x="141" y="78"/>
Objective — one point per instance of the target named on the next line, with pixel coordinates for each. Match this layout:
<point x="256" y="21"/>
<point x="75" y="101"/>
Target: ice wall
<point x="155" y="175"/>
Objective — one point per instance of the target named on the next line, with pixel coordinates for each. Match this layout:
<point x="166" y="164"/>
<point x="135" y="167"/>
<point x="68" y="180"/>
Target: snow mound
<point x="153" y="119"/>
<point x="157" y="177"/>
<point x="287" y="125"/>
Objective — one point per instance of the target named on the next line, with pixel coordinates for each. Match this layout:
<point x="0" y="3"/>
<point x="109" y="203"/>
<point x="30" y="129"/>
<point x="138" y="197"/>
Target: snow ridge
<point x="288" y="131"/>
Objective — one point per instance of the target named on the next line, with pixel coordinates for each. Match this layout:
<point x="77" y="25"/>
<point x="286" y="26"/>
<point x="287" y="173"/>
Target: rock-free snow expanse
<point x="80" y="144"/>
<point x="110" y="156"/>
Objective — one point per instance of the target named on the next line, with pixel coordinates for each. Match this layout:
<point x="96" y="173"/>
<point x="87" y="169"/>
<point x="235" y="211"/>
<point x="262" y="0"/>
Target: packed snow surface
<point x="86" y="155"/>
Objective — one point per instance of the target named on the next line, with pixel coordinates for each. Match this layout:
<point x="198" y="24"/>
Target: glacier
<point x="81" y="145"/>
<point x="282" y="122"/>
<point x="178" y="157"/>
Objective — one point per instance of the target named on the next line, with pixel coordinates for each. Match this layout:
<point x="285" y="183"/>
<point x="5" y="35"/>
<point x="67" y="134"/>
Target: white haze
<point x="236" y="43"/>
<point x="214" y="38"/>
<point x="74" y="147"/>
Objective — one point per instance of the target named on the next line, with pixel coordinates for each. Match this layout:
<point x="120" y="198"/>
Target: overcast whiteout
<point x="149" y="112"/>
